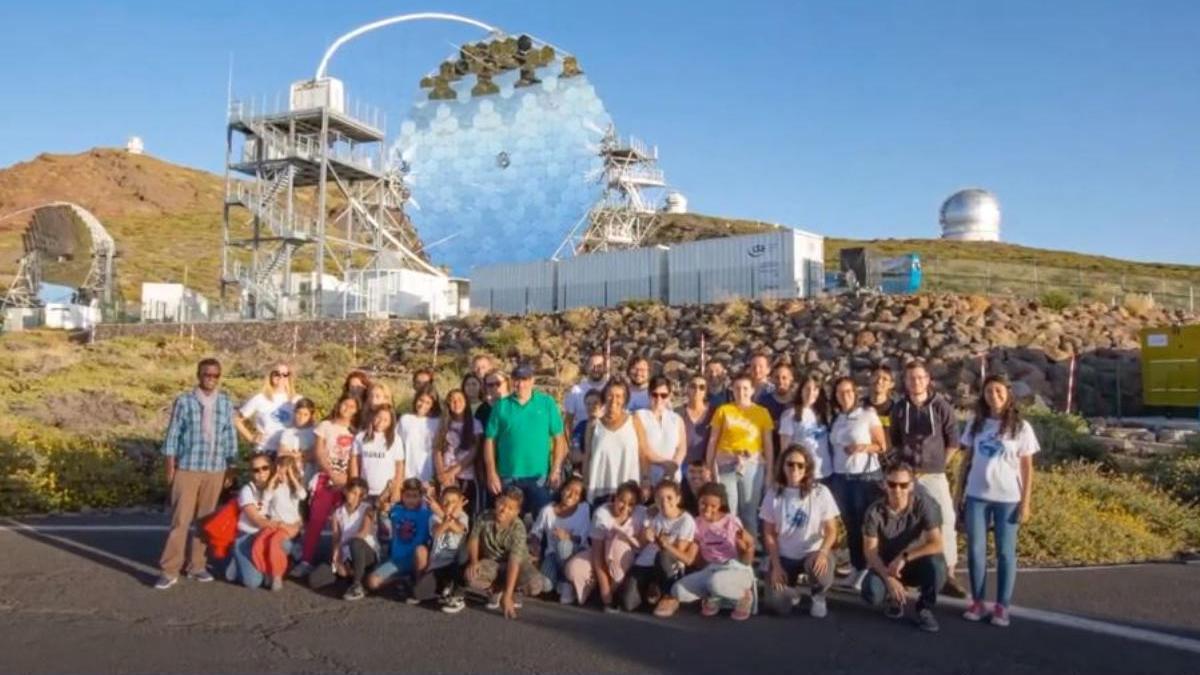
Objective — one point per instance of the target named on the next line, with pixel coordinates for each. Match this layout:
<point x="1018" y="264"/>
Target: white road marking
<point x="22" y="527"/>
<point x="126" y="562"/>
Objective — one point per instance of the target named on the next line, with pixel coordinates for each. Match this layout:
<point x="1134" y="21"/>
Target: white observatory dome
<point x="676" y="203"/>
<point x="972" y="214"/>
<point x="135" y="146"/>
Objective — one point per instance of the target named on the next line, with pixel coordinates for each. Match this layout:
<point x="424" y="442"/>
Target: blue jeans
<point x="1004" y="521"/>
<point x="854" y="493"/>
<point x="927" y="574"/>
<point x="241" y="568"/>
<point x="744" y="492"/>
<point x="537" y="495"/>
<point x="555" y="554"/>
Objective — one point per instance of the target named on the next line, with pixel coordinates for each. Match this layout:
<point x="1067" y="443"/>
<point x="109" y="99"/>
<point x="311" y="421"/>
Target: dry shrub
<point x="1138" y="303"/>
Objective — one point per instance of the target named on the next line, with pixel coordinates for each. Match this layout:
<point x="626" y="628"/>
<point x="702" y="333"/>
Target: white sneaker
<point x="493" y="602"/>
<point x="855" y="580"/>
<point x="818" y="610"/>
<point x="164" y="582"/>
<point x="566" y="593"/>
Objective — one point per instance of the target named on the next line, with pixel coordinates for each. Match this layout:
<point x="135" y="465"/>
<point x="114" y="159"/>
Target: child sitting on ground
<point x="668" y="547"/>
<point x="496" y="545"/>
<point x="725" y="549"/>
<point x="410" y="530"/>
<point x="282" y="498"/>
<point x="439" y="566"/>
<point x="560" y="531"/>
<point x="356" y="550"/>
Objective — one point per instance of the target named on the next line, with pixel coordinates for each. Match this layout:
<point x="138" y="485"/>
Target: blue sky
<point x="844" y="118"/>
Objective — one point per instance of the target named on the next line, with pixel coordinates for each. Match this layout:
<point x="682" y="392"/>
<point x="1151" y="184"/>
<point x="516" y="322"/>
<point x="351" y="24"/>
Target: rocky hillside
<point x="955" y="334"/>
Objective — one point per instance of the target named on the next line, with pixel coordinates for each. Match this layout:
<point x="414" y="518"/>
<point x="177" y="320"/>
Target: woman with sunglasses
<point x="997" y="486"/>
<point x="740" y="450"/>
<point x="696" y="414"/>
<point x="800" y="519"/>
<point x="270" y="410"/>
<point x="252" y="503"/>
<point x="856" y="440"/>
<point x="666" y="440"/>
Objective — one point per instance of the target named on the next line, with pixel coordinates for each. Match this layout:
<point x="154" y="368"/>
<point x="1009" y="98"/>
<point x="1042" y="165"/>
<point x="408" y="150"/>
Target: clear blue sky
<point x="845" y="118"/>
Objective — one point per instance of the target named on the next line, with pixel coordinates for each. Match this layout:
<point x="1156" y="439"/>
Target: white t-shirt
<point x="574" y="403"/>
<point x="996" y="461"/>
<point x="853" y="428"/>
<point x="301" y="440"/>
<point x="249" y="496"/>
<point x="453" y="454"/>
<point x="377" y="460"/>
<point x="351" y="523"/>
<point x="810" y="433"/>
<point x="798" y="519"/>
<point x="283" y="504"/>
<point x="662" y="435"/>
<point x="339" y="443"/>
<point x="271" y="415"/>
<point x="678" y="529"/>
<point x="418" y="434"/>
<point x="446" y="547"/>
<point x="603" y="522"/>
<point x="579" y="524"/>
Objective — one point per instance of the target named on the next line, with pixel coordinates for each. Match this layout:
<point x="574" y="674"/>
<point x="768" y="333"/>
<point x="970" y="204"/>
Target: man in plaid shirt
<point x="200" y="443"/>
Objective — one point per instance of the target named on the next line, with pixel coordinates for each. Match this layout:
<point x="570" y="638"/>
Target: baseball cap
<point x="523" y="372"/>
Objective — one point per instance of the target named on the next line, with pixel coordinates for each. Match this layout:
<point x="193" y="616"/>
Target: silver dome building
<point x="972" y="214"/>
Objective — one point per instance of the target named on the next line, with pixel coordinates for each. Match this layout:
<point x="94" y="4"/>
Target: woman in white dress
<point x="666" y="439"/>
<point x="614" y="448"/>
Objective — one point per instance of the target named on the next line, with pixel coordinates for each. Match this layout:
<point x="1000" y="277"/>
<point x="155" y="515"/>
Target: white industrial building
<point x="786" y="263"/>
<point x="172" y="302"/>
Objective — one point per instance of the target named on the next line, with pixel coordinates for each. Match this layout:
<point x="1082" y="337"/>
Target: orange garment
<point x="267" y="552"/>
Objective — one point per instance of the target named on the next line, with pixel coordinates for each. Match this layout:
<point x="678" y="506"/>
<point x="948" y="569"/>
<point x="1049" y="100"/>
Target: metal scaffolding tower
<point x="629" y="207"/>
<point x="319" y="201"/>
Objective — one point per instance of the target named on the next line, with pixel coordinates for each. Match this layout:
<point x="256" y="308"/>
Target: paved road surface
<point x="79" y="600"/>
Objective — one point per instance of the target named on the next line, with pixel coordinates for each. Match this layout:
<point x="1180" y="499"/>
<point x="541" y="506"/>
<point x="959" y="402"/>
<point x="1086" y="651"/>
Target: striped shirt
<point x="185" y="435"/>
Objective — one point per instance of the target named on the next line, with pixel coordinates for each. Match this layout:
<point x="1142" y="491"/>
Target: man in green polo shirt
<point x="523" y="443"/>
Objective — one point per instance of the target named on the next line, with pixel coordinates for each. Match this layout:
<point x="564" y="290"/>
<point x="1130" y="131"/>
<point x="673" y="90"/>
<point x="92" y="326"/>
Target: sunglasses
<point x="276" y="373"/>
<point x="493" y="385"/>
<point x="794" y="465"/>
<point x="659" y="394"/>
<point x="893" y="485"/>
<point x="260" y="469"/>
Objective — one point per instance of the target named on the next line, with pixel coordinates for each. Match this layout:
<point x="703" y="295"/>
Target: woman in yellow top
<point x="740" y="452"/>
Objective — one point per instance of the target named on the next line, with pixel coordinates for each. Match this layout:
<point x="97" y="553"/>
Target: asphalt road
<point x="78" y="600"/>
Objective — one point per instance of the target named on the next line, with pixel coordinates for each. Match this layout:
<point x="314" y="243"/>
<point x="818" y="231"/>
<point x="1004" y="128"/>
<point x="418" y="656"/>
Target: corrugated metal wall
<point x="607" y="279"/>
<point x="520" y="288"/>
<point x="782" y="264"/>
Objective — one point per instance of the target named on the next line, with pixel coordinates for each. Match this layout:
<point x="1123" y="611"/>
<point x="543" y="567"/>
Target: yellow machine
<point x="1171" y="366"/>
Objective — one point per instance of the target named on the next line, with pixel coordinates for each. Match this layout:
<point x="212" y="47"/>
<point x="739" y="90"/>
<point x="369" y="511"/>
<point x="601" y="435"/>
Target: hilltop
<point x="167" y="218"/>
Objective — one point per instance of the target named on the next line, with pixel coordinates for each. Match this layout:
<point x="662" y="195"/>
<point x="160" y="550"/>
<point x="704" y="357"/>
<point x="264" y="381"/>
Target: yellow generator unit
<point x="1171" y="366"/>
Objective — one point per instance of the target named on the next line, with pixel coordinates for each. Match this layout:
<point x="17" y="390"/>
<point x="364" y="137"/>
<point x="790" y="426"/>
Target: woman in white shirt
<point x="666" y="440"/>
<point x="270" y="410"/>
<point x="252" y="503"/>
<point x="613" y="448"/>
<point x="456" y="446"/>
<point x="856" y="440"/>
<point x="378" y="455"/>
<point x="997" y="485"/>
<point x="806" y="423"/>
<point x="418" y="429"/>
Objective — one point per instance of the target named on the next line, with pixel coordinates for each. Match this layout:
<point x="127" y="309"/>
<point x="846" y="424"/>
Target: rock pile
<point x="958" y="336"/>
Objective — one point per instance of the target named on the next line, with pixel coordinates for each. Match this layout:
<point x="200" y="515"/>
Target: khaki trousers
<point x="194" y="495"/>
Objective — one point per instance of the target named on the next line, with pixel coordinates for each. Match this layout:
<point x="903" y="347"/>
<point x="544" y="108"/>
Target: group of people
<point x="758" y="491"/>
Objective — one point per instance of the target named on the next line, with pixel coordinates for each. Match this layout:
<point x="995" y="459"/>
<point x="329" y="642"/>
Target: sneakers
<point x="954" y="589"/>
<point x="277" y="584"/>
<point x="975" y="612"/>
<point x="741" y="611"/>
<point x="493" y="602"/>
<point x="843" y="568"/>
<point x="1000" y="616"/>
<point x="709" y="607"/>
<point x="453" y="604"/>
<point x="202" y="576"/>
<point x="926" y="621"/>
<point x="566" y="593"/>
<point x="355" y="592"/>
<point x="164" y="582"/>
<point x="666" y="607"/>
<point x="894" y="611"/>
<point x="818" y="610"/>
<point x="301" y="570"/>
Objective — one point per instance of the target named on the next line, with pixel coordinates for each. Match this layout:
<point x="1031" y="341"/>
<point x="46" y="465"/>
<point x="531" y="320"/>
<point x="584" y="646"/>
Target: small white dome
<point x="676" y="203"/>
<point x="134" y="145"/>
<point x="972" y="214"/>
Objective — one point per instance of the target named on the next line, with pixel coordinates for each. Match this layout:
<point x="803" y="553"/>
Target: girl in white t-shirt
<point x="807" y="423"/>
<point x="997" y="485"/>
<point x="456" y="447"/>
<point x="418" y="430"/>
<point x="378" y="455"/>
<point x="800" y="519"/>
<point x="335" y="443"/>
<point x="300" y="439"/>
<point x="668" y="547"/>
<point x="856" y="440"/>
<point x="614" y="545"/>
<point x="561" y="529"/>
<point x="355" y="549"/>
<point x="282" y="497"/>
<point x="270" y="410"/>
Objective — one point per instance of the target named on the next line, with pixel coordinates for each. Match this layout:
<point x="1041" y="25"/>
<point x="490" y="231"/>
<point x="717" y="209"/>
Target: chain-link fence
<point x="1030" y="280"/>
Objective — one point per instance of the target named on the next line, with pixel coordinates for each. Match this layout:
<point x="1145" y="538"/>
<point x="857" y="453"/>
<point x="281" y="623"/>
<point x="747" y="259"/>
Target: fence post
<point x="1191" y="298"/>
<point x="1119" y="409"/>
<point x="1036" y="287"/>
<point x="1071" y="384"/>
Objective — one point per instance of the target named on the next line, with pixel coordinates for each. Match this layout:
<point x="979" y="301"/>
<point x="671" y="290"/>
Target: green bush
<point x="512" y="340"/>
<point x="1056" y="300"/>
<point x="1085" y="515"/>
<point x="1178" y="474"/>
<point x="1064" y="438"/>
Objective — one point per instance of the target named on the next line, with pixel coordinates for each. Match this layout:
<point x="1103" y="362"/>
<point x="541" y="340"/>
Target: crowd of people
<point x="759" y="491"/>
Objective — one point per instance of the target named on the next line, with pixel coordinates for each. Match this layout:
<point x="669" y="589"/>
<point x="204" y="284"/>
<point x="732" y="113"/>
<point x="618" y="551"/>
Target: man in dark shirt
<point x="924" y="433"/>
<point x="882" y="395"/>
<point x="902" y="541"/>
